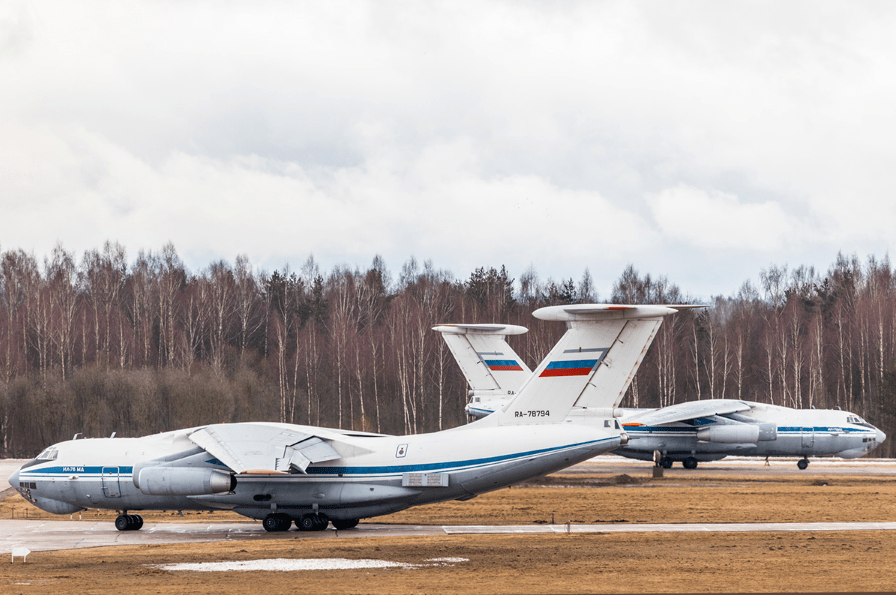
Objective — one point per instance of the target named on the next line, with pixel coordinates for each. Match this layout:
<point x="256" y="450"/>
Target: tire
<point x="345" y="524"/>
<point x="272" y="523"/>
<point x="690" y="463"/>
<point x="322" y="522"/>
<point x="802" y="464"/>
<point x="307" y="522"/>
<point x="139" y="523"/>
<point x="123" y="523"/>
<point x="666" y="462"/>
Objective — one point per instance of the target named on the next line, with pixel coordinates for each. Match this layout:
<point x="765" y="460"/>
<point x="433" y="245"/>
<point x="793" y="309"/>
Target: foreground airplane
<point x="285" y="473"/>
<point x="690" y="432"/>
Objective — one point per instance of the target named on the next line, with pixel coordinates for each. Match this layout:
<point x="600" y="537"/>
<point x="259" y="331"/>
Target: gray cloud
<point x="573" y="136"/>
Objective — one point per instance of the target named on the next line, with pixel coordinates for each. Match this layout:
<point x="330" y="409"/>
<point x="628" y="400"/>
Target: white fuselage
<point x="801" y="433"/>
<point x="374" y="474"/>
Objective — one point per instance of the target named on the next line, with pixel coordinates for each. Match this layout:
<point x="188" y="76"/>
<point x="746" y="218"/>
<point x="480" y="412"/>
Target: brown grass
<point x="858" y="561"/>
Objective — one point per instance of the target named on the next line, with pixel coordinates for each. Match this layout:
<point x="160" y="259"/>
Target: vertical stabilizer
<point x="591" y="366"/>
<point x="489" y="364"/>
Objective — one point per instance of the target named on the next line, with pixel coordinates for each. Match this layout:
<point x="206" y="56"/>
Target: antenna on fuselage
<point x="75" y="438"/>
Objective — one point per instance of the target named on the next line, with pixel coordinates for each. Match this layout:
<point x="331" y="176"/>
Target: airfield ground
<point x="603" y="562"/>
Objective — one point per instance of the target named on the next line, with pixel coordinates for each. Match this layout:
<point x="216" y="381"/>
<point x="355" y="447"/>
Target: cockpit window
<point x="853" y="419"/>
<point x="48" y="453"/>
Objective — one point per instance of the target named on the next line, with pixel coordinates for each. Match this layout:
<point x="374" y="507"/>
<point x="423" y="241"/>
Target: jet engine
<point x="729" y="433"/>
<point x="161" y="480"/>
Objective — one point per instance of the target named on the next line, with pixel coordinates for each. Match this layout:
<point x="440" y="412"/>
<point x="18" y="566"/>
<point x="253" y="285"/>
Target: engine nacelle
<point x="161" y="480"/>
<point x="768" y="432"/>
<point x="729" y="433"/>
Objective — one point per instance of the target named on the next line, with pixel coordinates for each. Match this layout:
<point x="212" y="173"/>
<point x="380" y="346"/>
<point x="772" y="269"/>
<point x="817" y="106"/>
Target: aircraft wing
<point x="260" y="448"/>
<point x="687" y="411"/>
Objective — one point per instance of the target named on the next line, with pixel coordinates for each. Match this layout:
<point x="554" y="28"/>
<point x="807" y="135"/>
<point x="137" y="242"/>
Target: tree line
<point x="99" y="344"/>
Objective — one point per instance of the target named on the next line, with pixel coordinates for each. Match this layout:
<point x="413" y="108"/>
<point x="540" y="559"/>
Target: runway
<point x="66" y="534"/>
<point x="48" y="535"/>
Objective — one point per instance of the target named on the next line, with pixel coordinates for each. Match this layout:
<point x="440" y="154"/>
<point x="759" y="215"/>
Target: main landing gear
<point x="276" y="522"/>
<point x="689" y="462"/>
<point x="310" y="522"/>
<point x="803" y="463"/>
<point x="345" y="524"/>
<point x="126" y="523"/>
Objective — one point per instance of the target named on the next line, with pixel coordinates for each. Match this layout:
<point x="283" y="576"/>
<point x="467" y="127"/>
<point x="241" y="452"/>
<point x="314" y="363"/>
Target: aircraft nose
<point x="881" y="436"/>
<point x="14" y="479"/>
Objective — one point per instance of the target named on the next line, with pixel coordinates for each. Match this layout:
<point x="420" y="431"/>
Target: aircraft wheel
<point x="307" y="522"/>
<point x="322" y="522"/>
<point x="285" y="522"/>
<point x="139" y="523"/>
<point x="802" y="464"/>
<point x="345" y="524"/>
<point x="690" y="463"/>
<point x="123" y="523"/>
<point x="666" y="461"/>
<point x="276" y="523"/>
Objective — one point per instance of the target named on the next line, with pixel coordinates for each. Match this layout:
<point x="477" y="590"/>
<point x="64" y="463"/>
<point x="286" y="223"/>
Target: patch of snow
<point x="285" y="565"/>
<point x="302" y="565"/>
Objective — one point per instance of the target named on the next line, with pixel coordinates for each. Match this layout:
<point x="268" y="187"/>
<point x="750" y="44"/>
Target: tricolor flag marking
<point x="503" y="365"/>
<point x="568" y="368"/>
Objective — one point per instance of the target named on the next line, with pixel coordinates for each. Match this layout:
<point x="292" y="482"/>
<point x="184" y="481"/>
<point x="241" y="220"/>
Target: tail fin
<point x="591" y="366"/>
<point x="492" y="369"/>
<point x="486" y="359"/>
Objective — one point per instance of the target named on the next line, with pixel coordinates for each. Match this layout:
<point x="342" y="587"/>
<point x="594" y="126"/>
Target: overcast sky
<point x="701" y="141"/>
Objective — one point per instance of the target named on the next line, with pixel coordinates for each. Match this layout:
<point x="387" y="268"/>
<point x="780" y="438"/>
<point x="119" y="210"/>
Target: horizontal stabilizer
<point x="603" y="312"/>
<point x="481" y="329"/>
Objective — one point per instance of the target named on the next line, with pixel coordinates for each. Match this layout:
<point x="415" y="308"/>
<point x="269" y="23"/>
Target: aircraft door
<point x="808" y="435"/>
<point x="111" y="487"/>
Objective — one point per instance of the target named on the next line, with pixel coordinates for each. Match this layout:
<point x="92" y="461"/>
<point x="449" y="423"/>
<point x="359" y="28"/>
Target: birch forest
<point x="103" y="343"/>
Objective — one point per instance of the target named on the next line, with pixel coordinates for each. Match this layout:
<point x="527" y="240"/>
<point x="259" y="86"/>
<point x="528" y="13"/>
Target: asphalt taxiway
<point x="65" y="534"/>
<point x="47" y="535"/>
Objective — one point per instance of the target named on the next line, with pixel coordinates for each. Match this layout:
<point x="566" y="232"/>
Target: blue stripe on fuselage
<point x="781" y="429"/>
<point x="336" y="470"/>
<point x="470" y="463"/>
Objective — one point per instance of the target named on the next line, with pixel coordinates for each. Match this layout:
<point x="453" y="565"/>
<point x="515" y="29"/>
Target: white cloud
<point x="717" y="220"/>
<point x="450" y="131"/>
<point x="436" y="204"/>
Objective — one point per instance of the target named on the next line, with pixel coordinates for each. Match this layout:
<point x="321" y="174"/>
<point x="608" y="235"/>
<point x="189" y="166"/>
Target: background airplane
<point x="284" y="473"/>
<point x="688" y="432"/>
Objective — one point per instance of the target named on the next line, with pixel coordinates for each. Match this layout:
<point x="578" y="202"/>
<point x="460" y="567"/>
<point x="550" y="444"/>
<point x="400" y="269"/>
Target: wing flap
<point x="262" y="448"/>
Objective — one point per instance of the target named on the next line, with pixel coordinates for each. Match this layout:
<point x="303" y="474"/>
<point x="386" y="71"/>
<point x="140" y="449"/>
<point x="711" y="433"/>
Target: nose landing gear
<point x="803" y="463"/>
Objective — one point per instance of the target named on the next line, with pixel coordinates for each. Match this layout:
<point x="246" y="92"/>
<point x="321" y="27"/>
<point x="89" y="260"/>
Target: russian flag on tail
<point x="568" y="368"/>
<point x="503" y="365"/>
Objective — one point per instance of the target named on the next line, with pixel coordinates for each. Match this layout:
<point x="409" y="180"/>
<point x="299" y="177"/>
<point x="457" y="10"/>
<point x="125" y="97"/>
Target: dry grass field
<point x="675" y="562"/>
